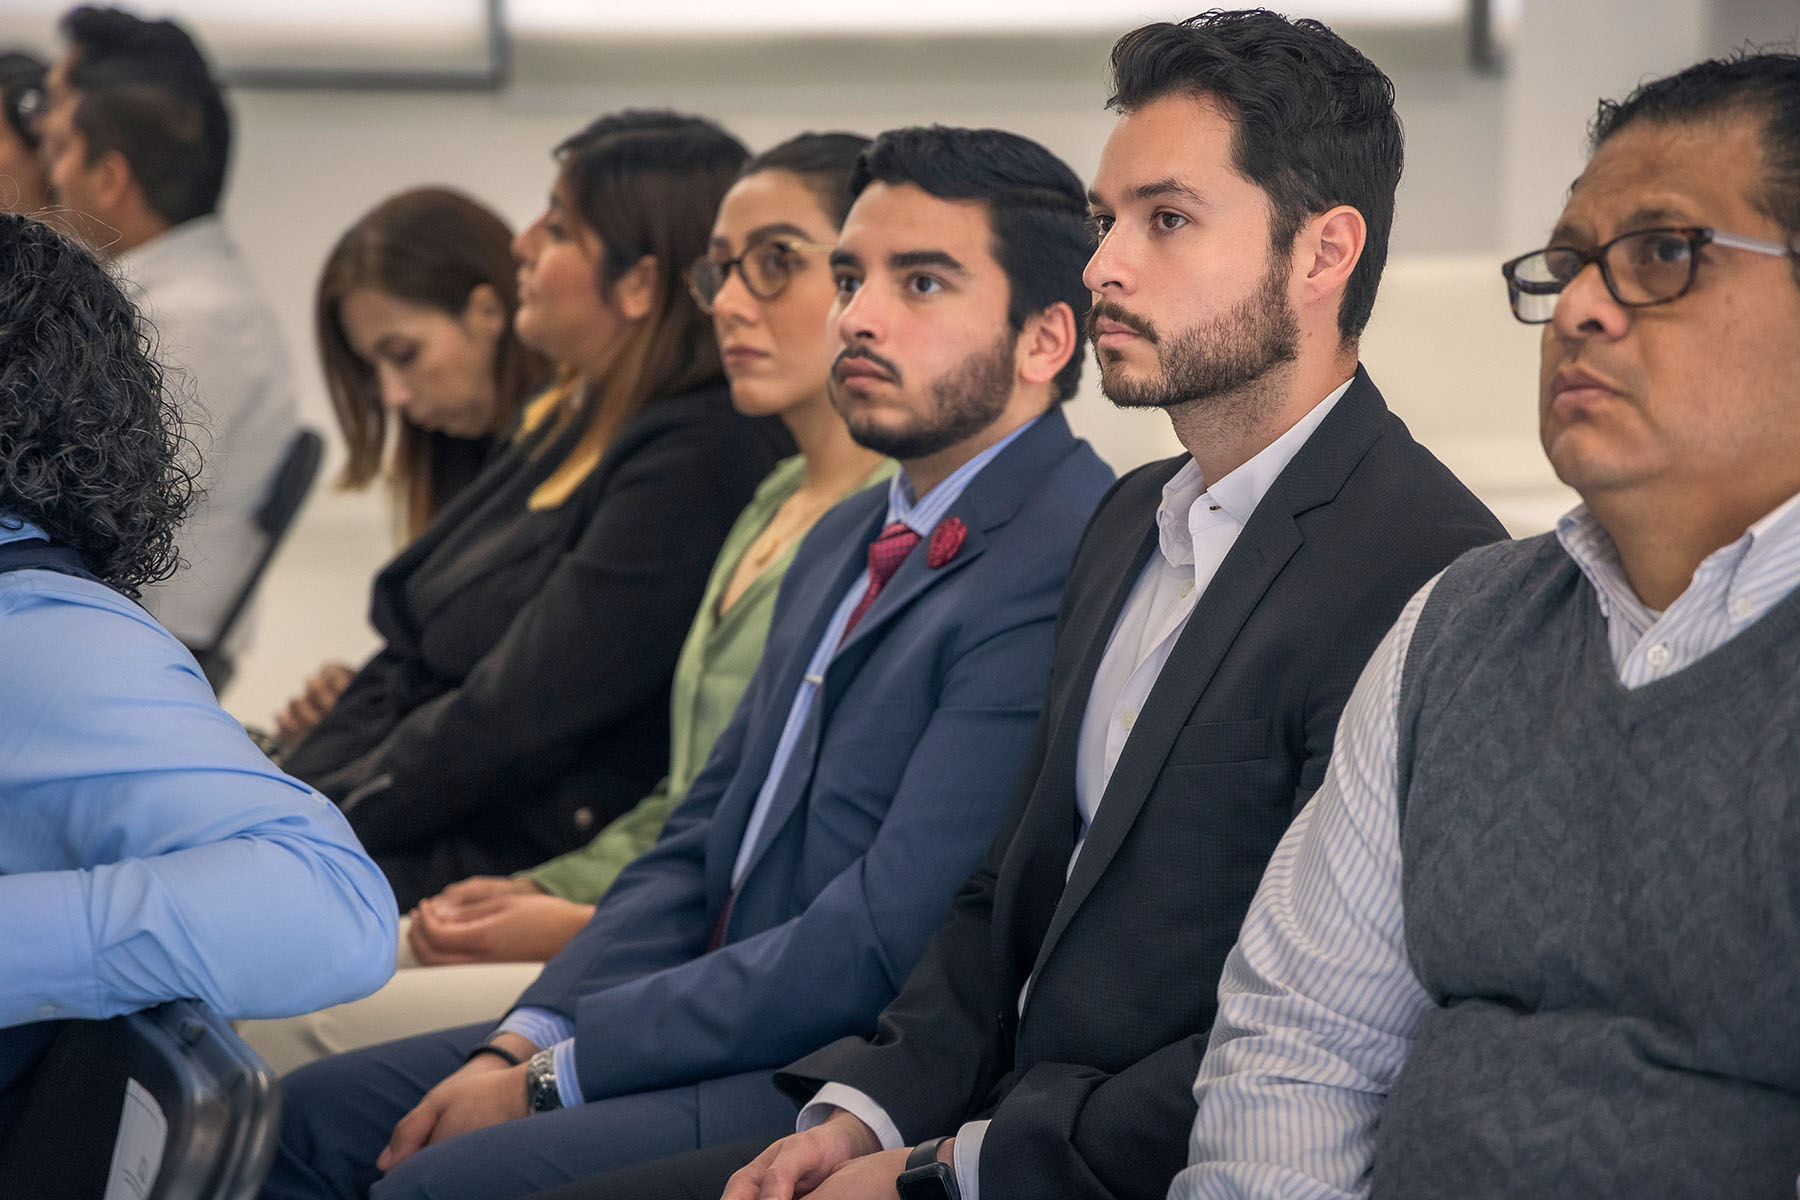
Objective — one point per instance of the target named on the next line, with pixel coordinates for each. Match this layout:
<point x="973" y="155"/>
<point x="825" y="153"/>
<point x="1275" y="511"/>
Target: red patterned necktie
<point x="886" y="553"/>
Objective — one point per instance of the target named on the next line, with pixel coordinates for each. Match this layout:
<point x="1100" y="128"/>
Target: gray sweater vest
<point x="1602" y="897"/>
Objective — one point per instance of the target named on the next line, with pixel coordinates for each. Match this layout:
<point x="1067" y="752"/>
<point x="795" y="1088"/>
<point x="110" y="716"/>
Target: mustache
<point x="1107" y="310"/>
<point x="863" y="352"/>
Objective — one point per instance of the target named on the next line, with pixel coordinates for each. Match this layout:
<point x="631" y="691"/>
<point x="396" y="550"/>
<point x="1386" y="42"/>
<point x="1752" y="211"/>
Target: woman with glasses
<point x="766" y="284"/>
<point x="521" y="699"/>
<point x="22" y="187"/>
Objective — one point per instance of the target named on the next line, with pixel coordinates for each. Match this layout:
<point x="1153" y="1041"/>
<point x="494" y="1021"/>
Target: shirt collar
<point x="922" y="515"/>
<point x="1586" y="541"/>
<point x="171" y="250"/>
<point x="13" y="529"/>
<point x="1189" y="505"/>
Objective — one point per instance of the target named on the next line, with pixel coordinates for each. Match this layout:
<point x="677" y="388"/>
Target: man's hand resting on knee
<point x="484" y="1091"/>
<point x="800" y="1162"/>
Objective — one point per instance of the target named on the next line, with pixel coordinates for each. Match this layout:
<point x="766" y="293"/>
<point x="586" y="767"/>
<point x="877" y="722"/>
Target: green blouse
<point x="717" y="660"/>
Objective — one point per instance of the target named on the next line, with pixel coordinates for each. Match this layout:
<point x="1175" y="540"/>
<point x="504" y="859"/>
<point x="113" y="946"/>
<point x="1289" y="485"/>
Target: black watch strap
<point x="925" y="1153"/>
<point x="925" y="1178"/>
<point x="497" y="1052"/>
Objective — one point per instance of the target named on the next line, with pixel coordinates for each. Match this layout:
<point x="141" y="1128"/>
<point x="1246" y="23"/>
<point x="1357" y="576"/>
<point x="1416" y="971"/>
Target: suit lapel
<point x="1272" y="536"/>
<point x="823" y="585"/>
<point x="990" y="500"/>
<point x="1031" y="881"/>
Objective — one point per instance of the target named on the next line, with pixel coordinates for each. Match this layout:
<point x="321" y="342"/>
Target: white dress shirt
<point x="224" y="367"/>
<point x="1318" y="1000"/>
<point x="1197" y="525"/>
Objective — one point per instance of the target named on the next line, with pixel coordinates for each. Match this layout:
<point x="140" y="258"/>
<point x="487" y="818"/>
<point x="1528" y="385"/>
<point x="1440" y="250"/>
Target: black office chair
<point x="288" y="490"/>
<point x="169" y="1101"/>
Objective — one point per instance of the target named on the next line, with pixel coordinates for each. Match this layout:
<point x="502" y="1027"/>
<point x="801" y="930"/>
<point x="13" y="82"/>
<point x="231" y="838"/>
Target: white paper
<point x="138" y="1151"/>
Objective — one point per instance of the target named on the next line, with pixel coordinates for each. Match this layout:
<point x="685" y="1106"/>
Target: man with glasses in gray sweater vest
<point x="1539" y="932"/>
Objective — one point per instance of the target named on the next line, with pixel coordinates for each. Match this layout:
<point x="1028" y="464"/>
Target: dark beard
<point x="965" y="401"/>
<point x="1204" y="362"/>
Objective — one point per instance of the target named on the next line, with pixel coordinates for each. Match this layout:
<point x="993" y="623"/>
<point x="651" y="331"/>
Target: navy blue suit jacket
<point x="899" y="782"/>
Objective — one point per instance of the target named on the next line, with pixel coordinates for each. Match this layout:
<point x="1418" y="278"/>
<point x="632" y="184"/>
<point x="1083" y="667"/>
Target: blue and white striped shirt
<point x="1318" y="1000"/>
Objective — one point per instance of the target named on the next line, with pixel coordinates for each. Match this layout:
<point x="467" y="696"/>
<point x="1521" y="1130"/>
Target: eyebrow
<point x="907" y="259"/>
<point x="766" y="233"/>
<point x="1643" y="218"/>
<point x="1154" y="190"/>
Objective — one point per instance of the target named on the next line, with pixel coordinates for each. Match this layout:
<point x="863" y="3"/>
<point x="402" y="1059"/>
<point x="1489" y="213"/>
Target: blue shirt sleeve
<point x="148" y="850"/>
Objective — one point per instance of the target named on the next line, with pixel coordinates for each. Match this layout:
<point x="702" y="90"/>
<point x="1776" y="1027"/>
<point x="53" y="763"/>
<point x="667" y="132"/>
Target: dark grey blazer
<point x="1089" y="1092"/>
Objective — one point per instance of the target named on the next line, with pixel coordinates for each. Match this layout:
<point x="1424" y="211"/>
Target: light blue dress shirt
<point x="921" y="514"/>
<point x="148" y="850"/>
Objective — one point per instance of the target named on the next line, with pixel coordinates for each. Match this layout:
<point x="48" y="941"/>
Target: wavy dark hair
<point x="91" y="446"/>
<point x="1313" y="121"/>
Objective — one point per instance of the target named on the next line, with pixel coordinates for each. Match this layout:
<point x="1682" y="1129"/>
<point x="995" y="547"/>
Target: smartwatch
<point x="925" y="1178"/>
<point x="540" y="1082"/>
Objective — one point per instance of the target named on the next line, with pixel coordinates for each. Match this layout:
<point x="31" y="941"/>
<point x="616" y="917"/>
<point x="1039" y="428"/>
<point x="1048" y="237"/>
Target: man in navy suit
<point x="868" y="767"/>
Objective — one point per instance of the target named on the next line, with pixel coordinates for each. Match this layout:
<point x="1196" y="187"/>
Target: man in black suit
<point x="1219" y="610"/>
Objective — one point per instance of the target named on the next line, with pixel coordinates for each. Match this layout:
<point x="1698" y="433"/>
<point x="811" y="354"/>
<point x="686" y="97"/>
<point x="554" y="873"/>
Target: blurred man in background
<point x="135" y="142"/>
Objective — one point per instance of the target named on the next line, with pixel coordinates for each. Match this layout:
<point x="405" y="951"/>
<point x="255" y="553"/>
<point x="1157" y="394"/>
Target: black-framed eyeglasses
<point x="766" y="269"/>
<point x="1640" y="268"/>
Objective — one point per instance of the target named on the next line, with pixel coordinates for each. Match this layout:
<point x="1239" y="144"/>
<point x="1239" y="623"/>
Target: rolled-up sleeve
<point x="148" y="850"/>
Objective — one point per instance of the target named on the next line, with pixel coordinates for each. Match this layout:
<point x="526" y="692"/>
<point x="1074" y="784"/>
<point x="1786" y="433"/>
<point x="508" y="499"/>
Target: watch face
<point x="929" y="1182"/>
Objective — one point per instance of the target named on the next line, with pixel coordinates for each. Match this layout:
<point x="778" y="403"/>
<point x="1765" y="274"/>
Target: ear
<point x="634" y="292"/>
<point x="485" y="313"/>
<point x="112" y="183"/>
<point x="1046" y="344"/>
<point x="1326" y="251"/>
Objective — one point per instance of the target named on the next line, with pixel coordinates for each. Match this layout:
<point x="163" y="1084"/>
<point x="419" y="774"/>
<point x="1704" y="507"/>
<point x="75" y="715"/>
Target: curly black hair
<point x="91" y="445"/>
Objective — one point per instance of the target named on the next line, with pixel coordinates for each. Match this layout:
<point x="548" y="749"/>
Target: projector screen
<point x="725" y="18"/>
<point x="248" y="39"/>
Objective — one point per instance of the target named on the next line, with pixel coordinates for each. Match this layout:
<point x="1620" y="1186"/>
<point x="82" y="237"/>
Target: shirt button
<point x="1659" y="655"/>
<point x="1127" y="719"/>
<point x="1741" y="607"/>
<point x="46" y="1011"/>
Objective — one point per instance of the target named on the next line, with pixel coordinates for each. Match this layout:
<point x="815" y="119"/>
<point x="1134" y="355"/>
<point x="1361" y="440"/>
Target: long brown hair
<point x="433" y="247"/>
<point x="647" y="183"/>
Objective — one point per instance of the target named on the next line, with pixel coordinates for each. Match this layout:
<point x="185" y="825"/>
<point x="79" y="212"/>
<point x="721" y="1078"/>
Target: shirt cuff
<point x="568" y="1086"/>
<point x="539" y="1026"/>
<point x="858" y="1105"/>
<point x="965" y="1158"/>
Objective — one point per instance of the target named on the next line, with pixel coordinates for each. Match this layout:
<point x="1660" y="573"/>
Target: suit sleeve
<point x="597" y="643"/>
<point x="655" y="915"/>
<point x="736" y="1009"/>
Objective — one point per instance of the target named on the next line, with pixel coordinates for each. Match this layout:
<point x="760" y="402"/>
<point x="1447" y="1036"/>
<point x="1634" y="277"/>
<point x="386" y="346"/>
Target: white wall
<point x="1487" y="159"/>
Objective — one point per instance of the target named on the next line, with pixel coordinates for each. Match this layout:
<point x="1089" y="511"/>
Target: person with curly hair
<point x="148" y="851"/>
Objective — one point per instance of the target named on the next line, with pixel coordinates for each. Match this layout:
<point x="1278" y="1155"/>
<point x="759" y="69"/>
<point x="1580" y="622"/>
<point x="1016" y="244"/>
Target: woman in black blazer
<point x="521" y="699"/>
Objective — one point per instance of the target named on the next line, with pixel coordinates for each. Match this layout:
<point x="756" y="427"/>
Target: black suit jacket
<point x="1090" y="1091"/>
<point x="522" y="698"/>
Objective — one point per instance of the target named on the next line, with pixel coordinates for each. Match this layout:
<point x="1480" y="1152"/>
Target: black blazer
<point x="522" y="699"/>
<point x="1090" y="1091"/>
